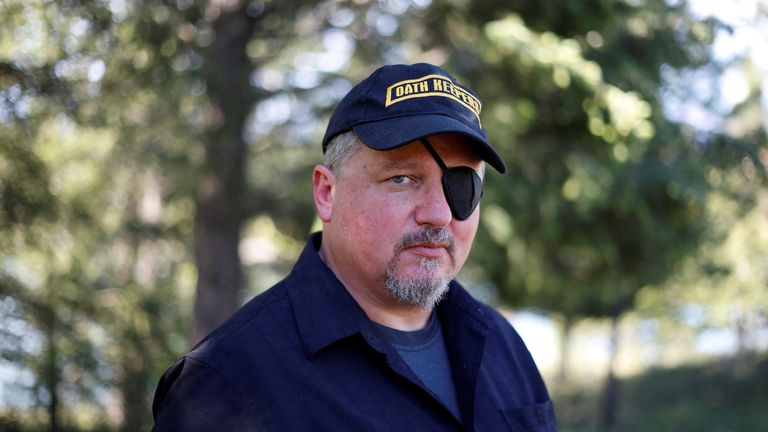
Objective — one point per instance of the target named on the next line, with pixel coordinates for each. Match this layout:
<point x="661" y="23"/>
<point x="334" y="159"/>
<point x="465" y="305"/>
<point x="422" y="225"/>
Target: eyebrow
<point x="395" y="165"/>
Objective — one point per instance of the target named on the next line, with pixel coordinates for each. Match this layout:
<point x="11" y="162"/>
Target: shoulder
<point x="506" y="350"/>
<point x="247" y="326"/>
<point x="221" y="374"/>
<point x="502" y="340"/>
<point x="192" y="396"/>
<point x="502" y="329"/>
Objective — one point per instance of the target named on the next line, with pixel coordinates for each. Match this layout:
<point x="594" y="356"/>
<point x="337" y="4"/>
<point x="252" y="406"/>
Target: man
<point x="370" y="332"/>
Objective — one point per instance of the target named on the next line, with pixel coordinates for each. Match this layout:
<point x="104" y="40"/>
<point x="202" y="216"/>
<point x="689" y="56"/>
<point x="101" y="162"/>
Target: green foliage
<point x="604" y="194"/>
<point x="97" y="282"/>
<point x="24" y="193"/>
<point x="117" y="119"/>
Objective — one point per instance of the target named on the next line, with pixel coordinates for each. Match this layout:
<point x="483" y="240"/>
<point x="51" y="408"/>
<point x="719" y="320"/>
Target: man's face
<point x="388" y="230"/>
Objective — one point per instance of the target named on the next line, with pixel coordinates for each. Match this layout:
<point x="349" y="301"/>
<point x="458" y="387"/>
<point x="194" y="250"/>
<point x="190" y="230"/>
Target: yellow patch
<point x="432" y="85"/>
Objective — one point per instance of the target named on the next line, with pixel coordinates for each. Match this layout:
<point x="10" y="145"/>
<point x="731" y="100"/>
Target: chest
<point x="353" y="387"/>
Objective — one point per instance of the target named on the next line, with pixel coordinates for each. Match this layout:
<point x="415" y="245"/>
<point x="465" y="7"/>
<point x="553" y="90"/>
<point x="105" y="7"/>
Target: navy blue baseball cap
<point x="398" y="104"/>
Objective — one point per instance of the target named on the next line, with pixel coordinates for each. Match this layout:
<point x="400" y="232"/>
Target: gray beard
<point x="423" y="291"/>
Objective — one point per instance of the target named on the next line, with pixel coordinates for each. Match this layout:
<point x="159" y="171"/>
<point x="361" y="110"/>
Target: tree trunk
<point x="565" y="350"/>
<point x="135" y="358"/>
<point x="220" y="192"/>
<point x="51" y="370"/>
<point x="739" y="363"/>
<point x="610" y="398"/>
<point x="133" y="387"/>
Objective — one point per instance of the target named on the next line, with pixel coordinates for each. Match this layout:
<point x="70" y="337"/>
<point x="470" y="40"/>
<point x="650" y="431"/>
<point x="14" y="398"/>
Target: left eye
<point x="400" y="179"/>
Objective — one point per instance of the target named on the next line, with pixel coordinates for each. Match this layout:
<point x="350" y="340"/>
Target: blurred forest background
<point x="155" y="161"/>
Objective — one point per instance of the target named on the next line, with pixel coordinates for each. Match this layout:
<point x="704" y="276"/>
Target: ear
<point x="323" y="188"/>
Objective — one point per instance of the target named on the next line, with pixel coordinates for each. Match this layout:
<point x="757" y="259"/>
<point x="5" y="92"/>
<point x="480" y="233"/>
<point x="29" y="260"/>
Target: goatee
<point x="428" y="286"/>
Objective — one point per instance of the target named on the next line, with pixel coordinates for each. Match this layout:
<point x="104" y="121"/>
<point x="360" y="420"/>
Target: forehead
<point x="454" y="150"/>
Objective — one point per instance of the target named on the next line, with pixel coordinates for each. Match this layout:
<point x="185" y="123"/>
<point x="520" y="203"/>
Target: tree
<point x="142" y="142"/>
<point x="87" y="276"/>
<point x="605" y="195"/>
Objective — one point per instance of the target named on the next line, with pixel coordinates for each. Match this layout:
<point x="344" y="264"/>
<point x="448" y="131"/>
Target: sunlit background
<point x="155" y="161"/>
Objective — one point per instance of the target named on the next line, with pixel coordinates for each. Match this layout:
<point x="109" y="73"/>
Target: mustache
<point x="440" y="236"/>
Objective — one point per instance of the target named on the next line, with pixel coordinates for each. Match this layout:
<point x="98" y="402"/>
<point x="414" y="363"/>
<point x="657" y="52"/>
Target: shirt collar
<point x="458" y="302"/>
<point x="325" y="312"/>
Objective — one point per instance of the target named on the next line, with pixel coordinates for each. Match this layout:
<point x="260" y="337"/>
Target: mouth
<point x="428" y="249"/>
<point x="429" y="243"/>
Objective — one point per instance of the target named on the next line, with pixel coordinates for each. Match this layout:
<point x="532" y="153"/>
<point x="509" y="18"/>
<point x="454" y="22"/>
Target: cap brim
<point x="395" y="132"/>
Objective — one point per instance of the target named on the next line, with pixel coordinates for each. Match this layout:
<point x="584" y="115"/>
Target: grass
<point x="721" y="396"/>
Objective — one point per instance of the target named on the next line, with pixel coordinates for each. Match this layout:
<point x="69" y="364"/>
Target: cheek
<point x="380" y="210"/>
<point x="366" y="215"/>
<point x="465" y="233"/>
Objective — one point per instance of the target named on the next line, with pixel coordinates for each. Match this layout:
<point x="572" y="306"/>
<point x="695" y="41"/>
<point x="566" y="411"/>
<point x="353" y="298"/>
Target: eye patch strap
<point x="434" y="154"/>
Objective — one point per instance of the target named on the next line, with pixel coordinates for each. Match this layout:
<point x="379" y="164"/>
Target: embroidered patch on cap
<point x="432" y="85"/>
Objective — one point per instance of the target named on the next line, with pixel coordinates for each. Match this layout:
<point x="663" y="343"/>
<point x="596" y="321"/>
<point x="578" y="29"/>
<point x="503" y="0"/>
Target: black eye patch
<point x="462" y="187"/>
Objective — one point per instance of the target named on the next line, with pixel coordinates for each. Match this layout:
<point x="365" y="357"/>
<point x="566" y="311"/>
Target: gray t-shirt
<point x="424" y="352"/>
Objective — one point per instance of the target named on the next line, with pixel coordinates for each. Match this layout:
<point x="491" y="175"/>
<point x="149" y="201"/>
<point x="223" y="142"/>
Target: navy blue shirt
<point x="303" y="356"/>
<point x="424" y="351"/>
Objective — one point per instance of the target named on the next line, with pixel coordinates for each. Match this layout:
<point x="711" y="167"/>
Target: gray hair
<point x="340" y="149"/>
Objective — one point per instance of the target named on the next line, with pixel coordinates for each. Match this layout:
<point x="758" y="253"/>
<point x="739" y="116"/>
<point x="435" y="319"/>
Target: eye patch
<point x="462" y="187"/>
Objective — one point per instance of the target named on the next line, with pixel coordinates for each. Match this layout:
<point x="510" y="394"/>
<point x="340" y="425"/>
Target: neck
<point x="378" y="305"/>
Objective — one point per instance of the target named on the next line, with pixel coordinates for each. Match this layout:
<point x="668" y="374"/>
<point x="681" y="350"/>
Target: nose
<point x="433" y="208"/>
